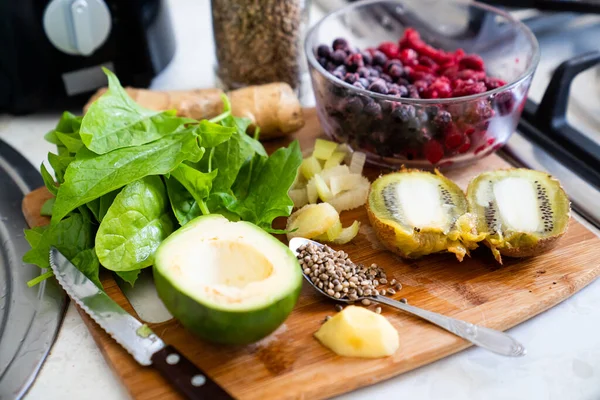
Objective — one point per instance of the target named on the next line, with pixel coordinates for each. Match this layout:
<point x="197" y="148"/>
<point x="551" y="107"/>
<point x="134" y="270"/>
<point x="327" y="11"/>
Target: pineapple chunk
<point x="322" y="188"/>
<point x="324" y="149"/>
<point x="336" y="159"/>
<point x="310" y="167"/>
<point x="311" y="192"/>
<point x="358" y="332"/>
<point x="299" y="197"/>
<point x="340" y="183"/>
<point x="311" y="221"/>
<point x="347" y="234"/>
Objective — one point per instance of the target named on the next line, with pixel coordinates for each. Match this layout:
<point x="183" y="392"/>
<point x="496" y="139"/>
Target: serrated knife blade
<point x="139" y="340"/>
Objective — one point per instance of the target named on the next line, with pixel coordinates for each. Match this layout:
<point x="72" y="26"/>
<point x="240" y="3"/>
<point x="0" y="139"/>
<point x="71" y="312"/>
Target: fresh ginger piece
<point x="358" y="332"/>
<point x="273" y="107"/>
<point x="324" y="149"/>
<point x="311" y="221"/>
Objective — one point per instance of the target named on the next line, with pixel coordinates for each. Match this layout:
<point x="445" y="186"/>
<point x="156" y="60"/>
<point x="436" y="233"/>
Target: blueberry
<point x="403" y="113"/>
<point x="330" y="66"/>
<point x="393" y="91"/>
<point x="402" y="90"/>
<point x="350" y="78"/>
<point x="323" y="51"/>
<point x="367" y="57"/>
<point x="340" y="44"/>
<point x="390" y="63"/>
<point x="402" y="82"/>
<point x="432" y="111"/>
<point x="363" y="72"/>
<point x="354" y="62"/>
<point x="364" y="82"/>
<point x="352" y="105"/>
<point x="372" y="109"/>
<point x="338" y="57"/>
<point x="395" y="71"/>
<point x="422" y="116"/>
<point x="378" y="86"/>
<point x="373" y="73"/>
<point x="358" y="85"/>
<point x="386" y="78"/>
<point x="442" y="119"/>
<point x="342" y="69"/>
<point x="378" y="68"/>
<point x="413" y="93"/>
<point x="338" y="74"/>
<point x="379" y="58"/>
<point x="323" y="61"/>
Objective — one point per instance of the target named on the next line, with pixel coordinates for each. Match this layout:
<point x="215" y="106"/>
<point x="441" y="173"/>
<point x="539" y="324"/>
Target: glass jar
<point x="259" y="41"/>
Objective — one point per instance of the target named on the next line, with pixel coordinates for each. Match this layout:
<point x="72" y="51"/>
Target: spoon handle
<point x="490" y="339"/>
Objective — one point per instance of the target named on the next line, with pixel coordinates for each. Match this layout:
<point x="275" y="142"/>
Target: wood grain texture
<point x="291" y="364"/>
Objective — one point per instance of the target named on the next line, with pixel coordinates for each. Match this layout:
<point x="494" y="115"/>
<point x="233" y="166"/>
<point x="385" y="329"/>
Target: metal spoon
<point x="490" y="339"/>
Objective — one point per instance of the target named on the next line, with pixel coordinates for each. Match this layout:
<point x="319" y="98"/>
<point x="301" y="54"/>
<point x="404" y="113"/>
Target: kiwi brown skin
<point x="542" y="246"/>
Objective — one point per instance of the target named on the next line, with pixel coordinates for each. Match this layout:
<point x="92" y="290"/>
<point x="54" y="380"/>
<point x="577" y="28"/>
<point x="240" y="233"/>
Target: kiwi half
<point x="521" y="212"/>
<point x="415" y="213"/>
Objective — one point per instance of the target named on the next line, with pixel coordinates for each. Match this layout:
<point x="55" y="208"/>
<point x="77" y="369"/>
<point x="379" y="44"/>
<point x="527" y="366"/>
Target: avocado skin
<point x="220" y="326"/>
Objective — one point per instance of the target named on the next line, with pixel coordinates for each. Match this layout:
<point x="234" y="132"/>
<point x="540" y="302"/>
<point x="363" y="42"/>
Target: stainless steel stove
<point x="559" y="131"/>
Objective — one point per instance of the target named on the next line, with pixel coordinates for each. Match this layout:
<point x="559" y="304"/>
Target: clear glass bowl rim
<point x="450" y="100"/>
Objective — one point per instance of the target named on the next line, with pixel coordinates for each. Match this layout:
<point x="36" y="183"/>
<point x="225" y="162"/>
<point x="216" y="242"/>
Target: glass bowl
<point x="394" y="130"/>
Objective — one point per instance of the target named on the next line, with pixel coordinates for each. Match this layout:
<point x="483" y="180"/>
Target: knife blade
<point x="137" y="338"/>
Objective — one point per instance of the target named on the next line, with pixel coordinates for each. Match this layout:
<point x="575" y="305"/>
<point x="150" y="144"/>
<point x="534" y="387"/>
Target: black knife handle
<point x="186" y="377"/>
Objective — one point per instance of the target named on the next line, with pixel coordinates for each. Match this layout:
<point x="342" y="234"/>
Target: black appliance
<point x="51" y="52"/>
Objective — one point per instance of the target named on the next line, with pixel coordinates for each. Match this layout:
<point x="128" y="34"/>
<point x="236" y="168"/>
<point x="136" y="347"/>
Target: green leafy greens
<point x="125" y="177"/>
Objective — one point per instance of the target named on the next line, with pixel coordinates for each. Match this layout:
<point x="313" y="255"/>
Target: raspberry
<point x="408" y="57"/>
<point x="453" y="139"/>
<point x="389" y="49"/>
<point x="504" y="102"/>
<point x="427" y="62"/>
<point x="440" y="88"/>
<point x="471" y="61"/>
<point x="354" y="61"/>
<point x="465" y="146"/>
<point x="467" y="88"/>
<point x="466" y="74"/>
<point x="493" y="83"/>
<point x="434" y="151"/>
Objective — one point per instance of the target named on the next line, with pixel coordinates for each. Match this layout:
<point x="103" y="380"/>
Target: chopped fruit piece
<point x="340" y="170"/>
<point x="299" y="197"/>
<point x="338" y="184"/>
<point x="322" y="188"/>
<point x="358" y="332"/>
<point x="324" y="149"/>
<point x="358" y="162"/>
<point x="312" y="220"/>
<point x="310" y="167"/>
<point x="311" y="192"/>
<point x="336" y="159"/>
<point x="331" y="233"/>
<point x="352" y="198"/>
<point x="347" y="234"/>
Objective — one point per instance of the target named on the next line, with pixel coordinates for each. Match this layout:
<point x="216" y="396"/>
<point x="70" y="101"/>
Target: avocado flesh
<point x="521" y="212"/>
<point x="416" y="213"/>
<point x="228" y="282"/>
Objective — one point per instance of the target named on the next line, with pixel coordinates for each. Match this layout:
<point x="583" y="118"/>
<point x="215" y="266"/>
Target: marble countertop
<point x="563" y="360"/>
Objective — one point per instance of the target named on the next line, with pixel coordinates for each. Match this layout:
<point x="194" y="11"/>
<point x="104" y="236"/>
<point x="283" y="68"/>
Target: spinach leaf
<point x="91" y="176"/>
<point x="196" y="182"/>
<point x="48" y="180"/>
<point x="129" y="276"/>
<point x="265" y="197"/>
<point x="136" y="223"/>
<point x="182" y="202"/>
<point x="115" y="121"/>
<point x="47" y="207"/>
<point x="100" y="206"/>
<point x="87" y="262"/>
<point x="70" y="236"/>
<point x="71" y="141"/>
<point x="59" y="164"/>
<point x="68" y="123"/>
<point x="212" y="134"/>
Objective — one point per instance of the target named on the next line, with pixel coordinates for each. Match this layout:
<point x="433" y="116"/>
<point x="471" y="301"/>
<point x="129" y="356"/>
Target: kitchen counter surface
<point x="563" y="360"/>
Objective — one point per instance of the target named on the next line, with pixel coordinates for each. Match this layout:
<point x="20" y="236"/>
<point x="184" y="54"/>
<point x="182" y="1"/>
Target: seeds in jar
<point x="334" y="273"/>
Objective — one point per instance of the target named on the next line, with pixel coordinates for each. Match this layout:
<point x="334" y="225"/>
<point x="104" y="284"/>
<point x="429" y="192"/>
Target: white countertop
<point x="563" y="360"/>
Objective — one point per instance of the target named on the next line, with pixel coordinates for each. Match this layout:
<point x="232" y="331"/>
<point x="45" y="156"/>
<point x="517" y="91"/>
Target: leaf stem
<point x="210" y="157"/>
<point x="40" y="278"/>
<point x="203" y="207"/>
<point x="220" y="117"/>
<point x="256" y="132"/>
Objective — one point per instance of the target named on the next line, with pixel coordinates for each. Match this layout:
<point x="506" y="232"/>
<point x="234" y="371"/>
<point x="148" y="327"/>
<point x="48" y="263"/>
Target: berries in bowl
<point x="422" y="98"/>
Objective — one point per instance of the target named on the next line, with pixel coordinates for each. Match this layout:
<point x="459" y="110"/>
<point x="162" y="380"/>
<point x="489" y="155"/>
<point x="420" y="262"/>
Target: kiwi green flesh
<point x="416" y="200"/>
<point x="518" y="207"/>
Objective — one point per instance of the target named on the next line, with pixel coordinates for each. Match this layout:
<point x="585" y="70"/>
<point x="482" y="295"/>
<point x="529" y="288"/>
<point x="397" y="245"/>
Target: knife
<point x="143" y="344"/>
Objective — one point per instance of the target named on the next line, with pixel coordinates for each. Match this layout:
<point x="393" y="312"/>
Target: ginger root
<point x="273" y="107"/>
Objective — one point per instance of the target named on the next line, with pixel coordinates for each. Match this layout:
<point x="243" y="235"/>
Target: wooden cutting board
<point x="291" y="364"/>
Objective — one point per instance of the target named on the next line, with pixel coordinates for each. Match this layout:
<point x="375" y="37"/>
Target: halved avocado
<point x="520" y="211"/>
<point x="228" y="282"/>
<point x="415" y="213"/>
